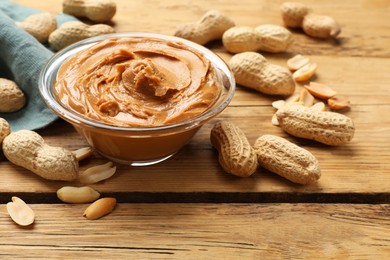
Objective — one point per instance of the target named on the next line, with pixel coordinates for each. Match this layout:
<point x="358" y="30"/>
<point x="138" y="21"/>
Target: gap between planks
<point x="215" y="197"/>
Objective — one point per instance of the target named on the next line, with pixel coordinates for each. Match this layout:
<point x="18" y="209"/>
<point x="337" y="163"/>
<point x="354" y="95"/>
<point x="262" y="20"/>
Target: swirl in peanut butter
<point x="138" y="82"/>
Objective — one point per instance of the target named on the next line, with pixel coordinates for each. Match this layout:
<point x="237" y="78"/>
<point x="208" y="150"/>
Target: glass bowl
<point x="136" y="146"/>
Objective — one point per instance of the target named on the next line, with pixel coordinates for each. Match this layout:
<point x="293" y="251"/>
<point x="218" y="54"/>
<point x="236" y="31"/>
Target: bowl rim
<point x="54" y="63"/>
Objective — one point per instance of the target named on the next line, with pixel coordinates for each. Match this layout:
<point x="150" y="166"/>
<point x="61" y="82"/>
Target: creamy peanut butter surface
<point x="138" y="82"/>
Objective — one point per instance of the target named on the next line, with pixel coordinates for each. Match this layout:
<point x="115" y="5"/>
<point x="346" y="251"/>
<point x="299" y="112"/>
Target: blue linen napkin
<point x="22" y="58"/>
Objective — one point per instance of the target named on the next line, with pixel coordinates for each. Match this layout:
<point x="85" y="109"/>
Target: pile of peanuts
<point x="298" y="115"/>
<point x="308" y="114"/>
<point x="26" y="148"/>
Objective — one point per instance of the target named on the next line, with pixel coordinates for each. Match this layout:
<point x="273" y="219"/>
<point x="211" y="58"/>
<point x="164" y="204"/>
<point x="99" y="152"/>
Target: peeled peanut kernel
<point x="320" y="90"/>
<point x="339" y="102"/>
<point x="278" y="103"/>
<point x="320" y="106"/>
<point x="20" y="212"/>
<point x="274" y="120"/>
<point x="293" y="98"/>
<point x="297" y="62"/>
<point x="70" y="194"/>
<point x="306" y="98"/>
<point x="97" y="173"/>
<point x="100" y="208"/>
<point x="83" y="153"/>
<point x="305" y="72"/>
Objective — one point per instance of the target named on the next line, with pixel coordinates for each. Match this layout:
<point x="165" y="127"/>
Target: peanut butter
<point x="138" y="82"/>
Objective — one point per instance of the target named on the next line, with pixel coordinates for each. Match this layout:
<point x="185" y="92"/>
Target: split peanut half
<point x="20" y="212"/>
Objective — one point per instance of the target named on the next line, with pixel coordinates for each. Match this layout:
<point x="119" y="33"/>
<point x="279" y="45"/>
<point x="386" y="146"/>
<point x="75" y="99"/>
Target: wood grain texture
<point x="365" y="30"/>
<point x="187" y="207"/>
<point x="358" y="167"/>
<point x="203" y="231"/>
<point x="355" y="68"/>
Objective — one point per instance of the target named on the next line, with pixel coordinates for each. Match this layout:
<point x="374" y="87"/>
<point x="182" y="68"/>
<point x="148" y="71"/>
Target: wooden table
<point x="188" y="208"/>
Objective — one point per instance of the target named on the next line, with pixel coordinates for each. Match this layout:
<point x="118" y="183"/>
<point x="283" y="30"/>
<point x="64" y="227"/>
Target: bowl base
<point x="137" y="163"/>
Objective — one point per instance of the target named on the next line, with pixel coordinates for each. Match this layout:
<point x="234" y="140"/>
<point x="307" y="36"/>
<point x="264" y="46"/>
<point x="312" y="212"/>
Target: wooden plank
<point x="354" y="65"/>
<point x="341" y="73"/>
<point x="365" y="30"/>
<point x="358" y="167"/>
<point x="202" y="231"/>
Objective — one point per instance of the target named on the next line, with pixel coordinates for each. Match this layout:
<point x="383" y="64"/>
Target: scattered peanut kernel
<point x="83" y="153"/>
<point x="20" y="212"/>
<point x="274" y="120"/>
<point x="338" y="102"/>
<point x="100" y="208"/>
<point x="320" y="90"/>
<point x="320" y="106"/>
<point x="292" y="99"/>
<point x="297" y="62"/>
<point x="84" y="194"/>
<point x="305" y="72"/>
<point x="278" y="103"/>
<point x="97" y="173"/>
<point x="306" y="98"/>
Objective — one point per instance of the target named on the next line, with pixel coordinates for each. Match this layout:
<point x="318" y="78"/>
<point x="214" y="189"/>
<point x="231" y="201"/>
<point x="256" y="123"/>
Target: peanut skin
<point x="286" y="159"/>
<point x="100" y="208"/>
<point x="236" y="155"/>
<point x="326" y="127"/>
<point x="27" y="149"/>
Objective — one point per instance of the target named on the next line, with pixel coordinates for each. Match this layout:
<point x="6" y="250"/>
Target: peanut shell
<point x="286" y="159"/>
<point x="330" y="128"/>
<point x="236" y="155"/>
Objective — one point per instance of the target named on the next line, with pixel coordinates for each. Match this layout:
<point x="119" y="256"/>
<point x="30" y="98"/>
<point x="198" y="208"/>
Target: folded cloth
<point x="22" y="58"/>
